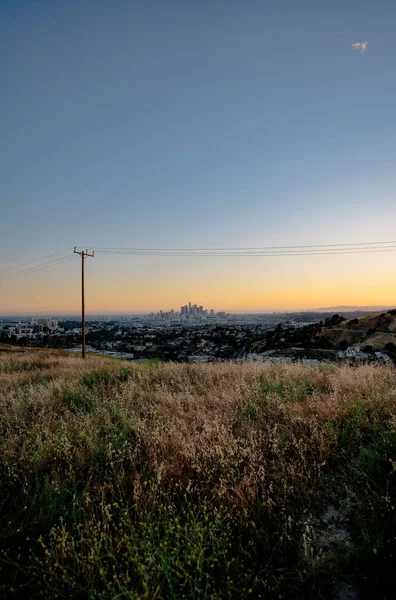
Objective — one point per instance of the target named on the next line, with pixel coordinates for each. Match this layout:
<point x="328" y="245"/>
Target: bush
<point x="368" y="348"/>
<point x="353" y="322"/>
<point x="390" y="347"/>
<point x="334" y="321"/>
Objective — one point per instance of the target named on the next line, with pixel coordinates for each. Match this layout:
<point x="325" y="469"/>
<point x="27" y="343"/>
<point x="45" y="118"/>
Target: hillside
<point x="195" y="481"/>
<point x="376" y="331"/>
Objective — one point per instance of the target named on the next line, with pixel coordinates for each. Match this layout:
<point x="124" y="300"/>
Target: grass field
<point x="127" y="481"/>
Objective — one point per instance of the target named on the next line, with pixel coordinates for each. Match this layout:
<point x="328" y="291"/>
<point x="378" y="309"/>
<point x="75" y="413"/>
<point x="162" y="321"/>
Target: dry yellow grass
<point x="193" y="419"/>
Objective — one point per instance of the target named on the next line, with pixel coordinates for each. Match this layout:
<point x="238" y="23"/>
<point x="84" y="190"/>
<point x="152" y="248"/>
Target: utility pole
<point x="83" y="255"/>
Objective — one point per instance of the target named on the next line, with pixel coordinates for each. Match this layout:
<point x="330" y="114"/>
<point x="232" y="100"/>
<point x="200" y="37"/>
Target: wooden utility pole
<point x="83" y="255"/>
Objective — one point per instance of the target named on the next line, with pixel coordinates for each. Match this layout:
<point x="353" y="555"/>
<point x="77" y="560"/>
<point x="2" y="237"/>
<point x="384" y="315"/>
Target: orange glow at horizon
<point x="239" y="287"/>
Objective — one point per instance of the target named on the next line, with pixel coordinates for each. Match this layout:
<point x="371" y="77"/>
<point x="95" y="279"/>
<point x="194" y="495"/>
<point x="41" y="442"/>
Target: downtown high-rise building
<point x="186" y="311"/>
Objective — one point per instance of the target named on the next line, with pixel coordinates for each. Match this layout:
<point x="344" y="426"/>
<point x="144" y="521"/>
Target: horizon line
<point x="345" y="308"/>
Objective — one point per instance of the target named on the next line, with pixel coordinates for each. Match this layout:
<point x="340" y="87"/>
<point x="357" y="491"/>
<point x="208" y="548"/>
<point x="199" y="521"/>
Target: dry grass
<point x="170" y="480"/>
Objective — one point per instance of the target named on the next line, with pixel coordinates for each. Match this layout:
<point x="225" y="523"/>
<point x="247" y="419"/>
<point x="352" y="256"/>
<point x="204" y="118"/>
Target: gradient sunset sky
<point x="197" y="124"/>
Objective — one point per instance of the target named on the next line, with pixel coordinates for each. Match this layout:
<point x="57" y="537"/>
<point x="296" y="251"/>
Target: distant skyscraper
<point x="187" y="311"/>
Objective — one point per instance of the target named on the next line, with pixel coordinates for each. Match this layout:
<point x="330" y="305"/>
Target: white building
<point x="45" y="322"/>
<point x="19" y="330"/>
<point x="382" y="357"/>
<point x="352" y="351"/>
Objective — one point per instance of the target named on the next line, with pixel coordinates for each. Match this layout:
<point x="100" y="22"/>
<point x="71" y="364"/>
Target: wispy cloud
<point x="362" y="46"/>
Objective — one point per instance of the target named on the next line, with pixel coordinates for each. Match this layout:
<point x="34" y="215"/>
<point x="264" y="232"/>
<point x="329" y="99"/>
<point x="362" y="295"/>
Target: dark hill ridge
<point x="348" y="309"/>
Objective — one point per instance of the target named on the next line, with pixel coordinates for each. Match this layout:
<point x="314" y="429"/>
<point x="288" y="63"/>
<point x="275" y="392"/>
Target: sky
<point x="196" y="124"/>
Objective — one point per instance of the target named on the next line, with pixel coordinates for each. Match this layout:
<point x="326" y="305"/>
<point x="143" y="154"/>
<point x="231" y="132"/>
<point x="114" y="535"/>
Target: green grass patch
<point x="78" y="398"/>
<point x="100" y="377"/>
<point x="18" y="366"/>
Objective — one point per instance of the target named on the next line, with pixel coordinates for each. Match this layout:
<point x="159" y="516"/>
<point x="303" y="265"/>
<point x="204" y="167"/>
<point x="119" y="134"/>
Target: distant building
<point x="352" y="351"/>
<point x="187" y="311"/>
<point x="382" y="357"/>
<point x="198" y="358"/>
<point x="45" y="322"/>
<point x="23" y="330"/>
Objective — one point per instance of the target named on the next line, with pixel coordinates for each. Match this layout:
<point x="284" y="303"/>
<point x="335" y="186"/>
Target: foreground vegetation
<point x="195" y="481"/>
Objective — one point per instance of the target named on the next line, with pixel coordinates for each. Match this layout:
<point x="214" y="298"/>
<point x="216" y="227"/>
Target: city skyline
<point x="187" y="311"/>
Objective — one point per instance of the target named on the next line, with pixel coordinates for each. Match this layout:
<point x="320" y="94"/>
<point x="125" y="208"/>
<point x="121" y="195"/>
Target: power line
<point x="242" y="248"/>
<point x="318" y="252"/>
<point x="46" y="266"/>
<point x="39" y="268"/>
<point x="36" y="260"/>
<point x="259" y="251"/>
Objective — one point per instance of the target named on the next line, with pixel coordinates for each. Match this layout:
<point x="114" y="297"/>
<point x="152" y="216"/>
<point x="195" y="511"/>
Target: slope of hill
<point x="170" y="480"/>
<point x="376" y="331"/>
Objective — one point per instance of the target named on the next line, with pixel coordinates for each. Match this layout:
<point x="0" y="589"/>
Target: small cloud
<point x="362" y="46"/>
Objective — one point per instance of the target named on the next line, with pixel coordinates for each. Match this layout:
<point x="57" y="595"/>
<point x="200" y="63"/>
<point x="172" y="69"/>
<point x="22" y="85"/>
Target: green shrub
<point x="78" y="398"/>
